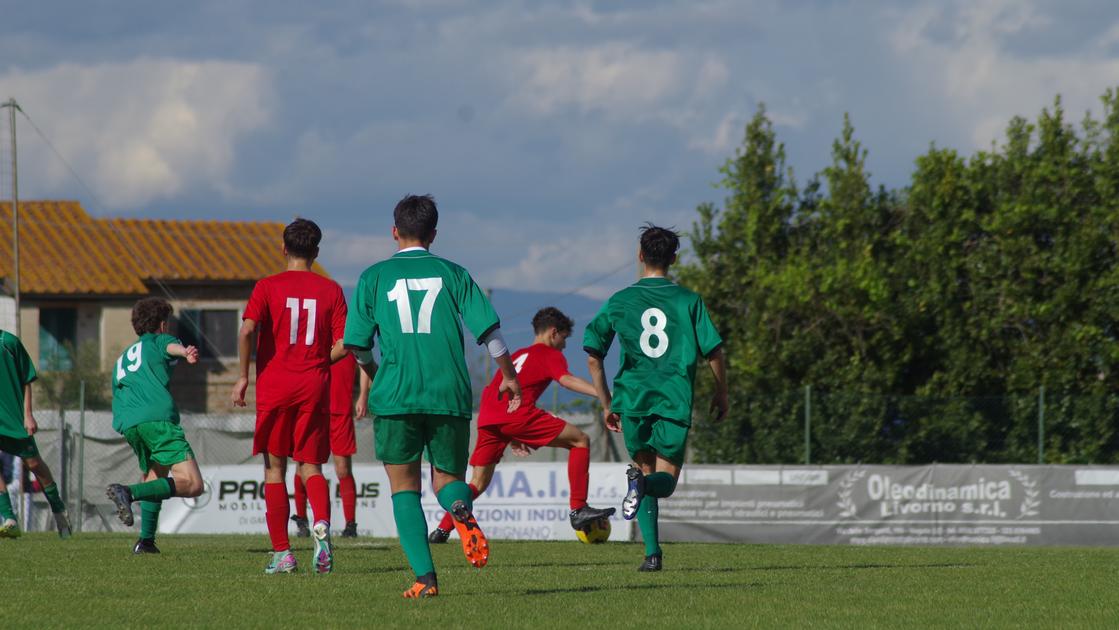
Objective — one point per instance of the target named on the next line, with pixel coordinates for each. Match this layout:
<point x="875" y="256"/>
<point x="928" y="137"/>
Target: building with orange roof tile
<point x="80" y="276"/>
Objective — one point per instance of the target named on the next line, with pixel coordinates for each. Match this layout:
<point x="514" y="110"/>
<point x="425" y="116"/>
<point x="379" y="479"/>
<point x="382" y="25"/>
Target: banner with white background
<point x="524" y="501"/>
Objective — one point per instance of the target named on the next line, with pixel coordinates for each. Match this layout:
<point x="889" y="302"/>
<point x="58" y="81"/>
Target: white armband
<point x="364" y="357"/>
<point x="495" y="343"/>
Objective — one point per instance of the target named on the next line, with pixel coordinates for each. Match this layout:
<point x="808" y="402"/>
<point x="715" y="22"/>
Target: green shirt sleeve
<point x="27" y="367"/>
<point x="707" y="336"/>
<point x="361" y="324"/>
<point x="599" y="333"/>
<point x="476" y="309"/>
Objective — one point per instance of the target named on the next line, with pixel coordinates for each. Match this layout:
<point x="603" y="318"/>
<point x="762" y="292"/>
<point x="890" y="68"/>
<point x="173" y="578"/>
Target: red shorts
<point x="537" y="431"/>
<point x="301" y="433"/>
<point x="342" y="439"/>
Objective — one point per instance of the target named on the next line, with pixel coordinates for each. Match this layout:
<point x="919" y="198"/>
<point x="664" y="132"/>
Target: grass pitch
<point x="213" y="581"/>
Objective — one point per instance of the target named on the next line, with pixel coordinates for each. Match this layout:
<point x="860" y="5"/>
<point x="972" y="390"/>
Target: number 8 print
<point x="653" y="322"/>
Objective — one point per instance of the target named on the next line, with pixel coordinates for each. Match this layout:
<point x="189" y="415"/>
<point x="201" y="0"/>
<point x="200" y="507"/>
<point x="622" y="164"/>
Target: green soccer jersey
<point x="662" y="328"/>
<point x="140" y="380"/>
<point x="16" y="371"/>
<point x="416" y="303"/>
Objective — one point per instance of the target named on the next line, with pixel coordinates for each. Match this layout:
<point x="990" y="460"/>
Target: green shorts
<point x="23" y="448"/>
<point x="163" y="443"/>
<point x="667" y="438"/>
<point x="403" y="439"/>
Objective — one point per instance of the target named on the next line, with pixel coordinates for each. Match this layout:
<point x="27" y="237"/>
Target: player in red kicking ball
<point x="537" y="366"/>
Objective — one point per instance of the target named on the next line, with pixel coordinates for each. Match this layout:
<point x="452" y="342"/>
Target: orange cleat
<point x="474" y="544"/>
<point x="420" y="590"/>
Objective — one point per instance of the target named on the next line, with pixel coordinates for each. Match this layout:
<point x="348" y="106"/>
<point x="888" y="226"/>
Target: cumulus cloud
<point x="141" y="130"/>
<point x="346" y="254"/>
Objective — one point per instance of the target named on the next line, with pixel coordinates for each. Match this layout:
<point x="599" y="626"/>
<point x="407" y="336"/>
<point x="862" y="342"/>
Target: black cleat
<point x="586" y="515"/>
<point x="652" y="563"/>
<point x="634" y="493"/>
<point x="302" y="528"/>
<point x="121" y="497"/>
<point x="439" y="536"/>
<point x="144" y="545"/>
<point x="350" y="531"/>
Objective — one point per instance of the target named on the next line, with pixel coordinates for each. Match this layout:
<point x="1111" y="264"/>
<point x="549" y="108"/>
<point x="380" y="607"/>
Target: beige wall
<point x="116" y="331"/>
<point x="29" y="330"/>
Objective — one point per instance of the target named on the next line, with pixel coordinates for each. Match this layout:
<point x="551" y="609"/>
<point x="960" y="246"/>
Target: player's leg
<point x="488" y="451"/>
<point x="578" y="445"/>
<point x="311" y="448"/>
<point x="29" y="452"/>
<point x="149" y="514"/>
<point x="299" y="497"/>
<point x="448" y="443"/>
<point x="276" y="513"/>
<point x="158" y="446"/>
<point x="347" y="490"/>
<point x="398" y="442"/>
<point x="343" y="444"/>
<point x="9" y="526"/>
<point x="660" y="466"/>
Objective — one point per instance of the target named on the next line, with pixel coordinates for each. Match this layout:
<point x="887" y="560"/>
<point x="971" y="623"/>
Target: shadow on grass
<point x="636" y="587"/>
<point x="343" y="547"/>
<point x="572" y="563"/>
<point x="806" y="567"/>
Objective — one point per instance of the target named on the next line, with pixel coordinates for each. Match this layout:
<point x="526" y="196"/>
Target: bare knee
<point x="41" y="470"/>
<point x="582" y="440"/>
<point x="342" y="466"/>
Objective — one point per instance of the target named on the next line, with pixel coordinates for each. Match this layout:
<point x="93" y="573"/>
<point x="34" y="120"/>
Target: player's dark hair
<point x="416" y="217"/>
<point x="659" y="245"/>
<point x="301" y="238"/>
<point x="551" y="317"/>
<point x="149" y="313"/>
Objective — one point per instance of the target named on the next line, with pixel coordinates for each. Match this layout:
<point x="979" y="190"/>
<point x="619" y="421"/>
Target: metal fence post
<point x="807" y="425"/>
<point x="1041" y="424"/>
<point x="80" y="512"/>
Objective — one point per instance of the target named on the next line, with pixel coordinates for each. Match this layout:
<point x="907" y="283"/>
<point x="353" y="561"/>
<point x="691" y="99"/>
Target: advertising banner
<point x="524" y="501"/>
<point x="896" y="505"/>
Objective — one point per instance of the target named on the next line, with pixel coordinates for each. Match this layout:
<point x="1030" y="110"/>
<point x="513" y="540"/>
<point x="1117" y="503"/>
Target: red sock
<point x="578" y="465"/>
<point x="447" y="524"/>
<point x="348" y="490"/>
<point x="276" y="514"/>
<point x="300" y="498"/>
<point x="318" y="493"/>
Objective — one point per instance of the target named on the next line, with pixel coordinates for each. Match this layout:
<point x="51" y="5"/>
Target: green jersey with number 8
<point x="662" y="328"/>
<point x="140" y="379"/>
<point x="413" y="303"/>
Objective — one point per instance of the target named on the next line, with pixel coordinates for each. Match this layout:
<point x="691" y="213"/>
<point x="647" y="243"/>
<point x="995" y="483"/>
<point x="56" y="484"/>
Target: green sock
<point x="455" y="491"/>
<point x="6" y="506"/>
<point x="53" y="498"/>
<point x="660" y="485"/>
<point x="149" y="518"/>
<point x="411" y="527"/>
<point x="647" y="514"/>
<point x="154" y="490"/>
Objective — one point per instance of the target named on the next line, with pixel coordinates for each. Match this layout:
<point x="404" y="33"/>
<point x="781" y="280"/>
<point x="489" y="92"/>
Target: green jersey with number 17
<point x="662" y="328"/>
<point x="140" y="379"/>
<point x="413" y="303"/>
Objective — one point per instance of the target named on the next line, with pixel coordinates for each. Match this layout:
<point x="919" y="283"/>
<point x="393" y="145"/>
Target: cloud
<point x="965" y="55"/>
<point x="346" y="254"/>
<point x="138" y="131"/>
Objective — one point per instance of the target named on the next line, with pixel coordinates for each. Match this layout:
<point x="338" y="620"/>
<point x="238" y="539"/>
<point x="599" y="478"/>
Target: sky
<point x="548" y="131"/>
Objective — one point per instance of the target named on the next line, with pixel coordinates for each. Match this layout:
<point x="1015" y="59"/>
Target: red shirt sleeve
<point x="257" y="308"/>
<point x="557" y="365"/>
<point x="338" y="323"/>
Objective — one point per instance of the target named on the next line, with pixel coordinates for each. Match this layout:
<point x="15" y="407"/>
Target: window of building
<point x="212" y="331"/>
<point x="58" y="336"/>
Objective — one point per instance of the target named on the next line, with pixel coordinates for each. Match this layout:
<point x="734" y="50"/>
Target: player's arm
<point x="602" y="391"/>
<point x="578" y="385"/>
<point x="190" y="353"/>
<point x="717" y="361"/>
<point x="29" y="423"/>
<point x="338" y="351"/>
<point x="244" y="353"/>
<point x="365" y="383"/>
<point x="495" y="343"/>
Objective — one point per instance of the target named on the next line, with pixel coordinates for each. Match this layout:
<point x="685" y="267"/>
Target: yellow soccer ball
<point x="597" y="532"/>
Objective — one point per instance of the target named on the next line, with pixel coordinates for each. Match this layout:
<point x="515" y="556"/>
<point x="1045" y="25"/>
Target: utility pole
<point x="12" y="107"/>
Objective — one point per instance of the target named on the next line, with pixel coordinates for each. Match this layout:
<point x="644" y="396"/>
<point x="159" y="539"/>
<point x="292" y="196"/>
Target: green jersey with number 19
<point x="413" y="302"/>
<point x="662" y="328"/>
<point x="140" y="379"/>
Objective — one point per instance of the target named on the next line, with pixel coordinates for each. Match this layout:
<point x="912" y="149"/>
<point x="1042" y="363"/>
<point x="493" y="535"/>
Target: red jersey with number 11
<point x="299" y="316"/>
<point x="537" y="366"/>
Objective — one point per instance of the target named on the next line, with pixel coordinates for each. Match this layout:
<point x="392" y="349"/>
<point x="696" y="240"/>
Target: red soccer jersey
<point x="537" y="366"/>
<point x="299" y="316"/>
<point x="342" y="376"/>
